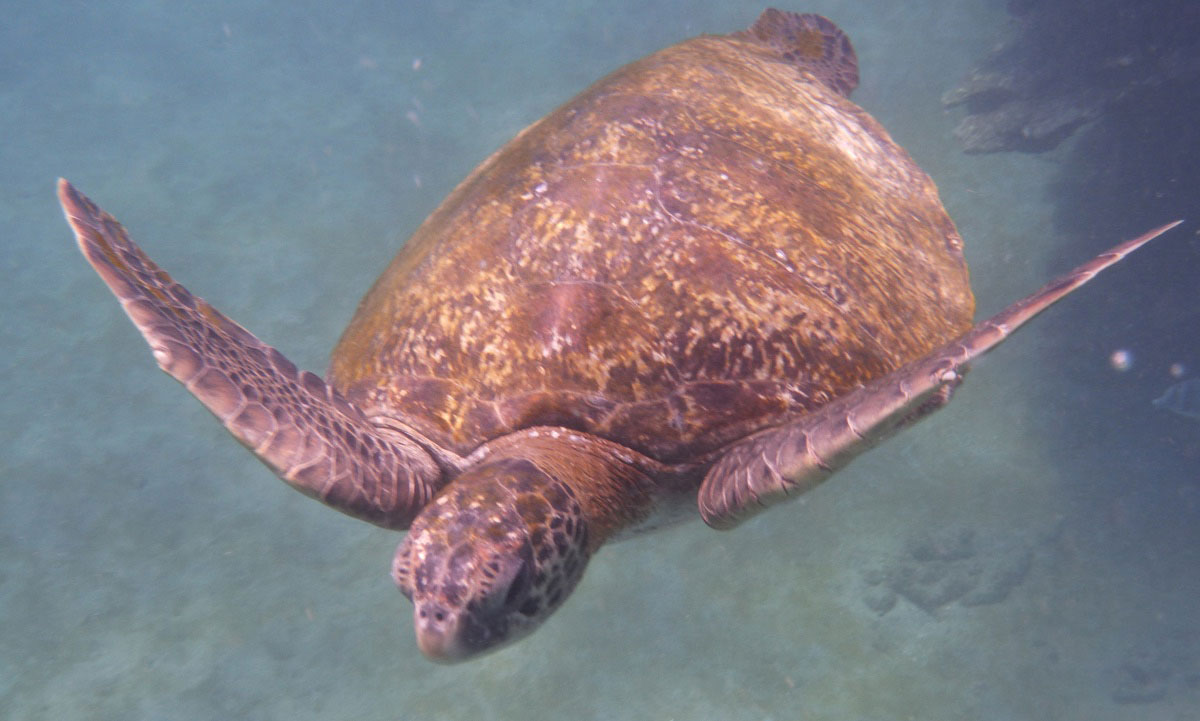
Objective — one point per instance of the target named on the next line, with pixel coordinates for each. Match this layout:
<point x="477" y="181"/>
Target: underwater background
<point x="1031" y="552"/>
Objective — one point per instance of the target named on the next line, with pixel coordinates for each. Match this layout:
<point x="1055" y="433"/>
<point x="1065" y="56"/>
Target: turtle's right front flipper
<point x="782" y="462"/>
<point x="293" y="421"/>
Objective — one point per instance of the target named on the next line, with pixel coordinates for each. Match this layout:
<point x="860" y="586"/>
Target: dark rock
<point x="1068" y="63"/>
<point x="942" y="567"/>
<point x="995" y="581"/>
<point x="880" y="599"/>
<point x="1142" y="678"/>
<point x="945" y="545"/>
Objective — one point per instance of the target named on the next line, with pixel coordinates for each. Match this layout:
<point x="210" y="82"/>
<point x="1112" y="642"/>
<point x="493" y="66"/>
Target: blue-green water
<point x="273" y="157"/>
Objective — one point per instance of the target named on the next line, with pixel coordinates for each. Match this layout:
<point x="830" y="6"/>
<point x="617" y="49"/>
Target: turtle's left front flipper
<point x="785" y="461"/>
<point x="292" y="420"/>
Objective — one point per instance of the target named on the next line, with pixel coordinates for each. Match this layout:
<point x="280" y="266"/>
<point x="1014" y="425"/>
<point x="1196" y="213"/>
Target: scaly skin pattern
<point x="293" y="421"/>
<point x="500" y="548"/>
<point x="703" y="244"/>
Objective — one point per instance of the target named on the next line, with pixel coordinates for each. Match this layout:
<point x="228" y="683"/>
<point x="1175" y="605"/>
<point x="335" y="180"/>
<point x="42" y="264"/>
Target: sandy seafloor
<point x="273" y="157"/>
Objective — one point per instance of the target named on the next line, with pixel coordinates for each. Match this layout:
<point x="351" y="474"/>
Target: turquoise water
<point x="273" y="157"/>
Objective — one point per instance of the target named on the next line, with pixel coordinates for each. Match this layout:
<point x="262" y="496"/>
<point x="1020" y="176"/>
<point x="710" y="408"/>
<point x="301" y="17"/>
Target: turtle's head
<point x="494" y="554"/>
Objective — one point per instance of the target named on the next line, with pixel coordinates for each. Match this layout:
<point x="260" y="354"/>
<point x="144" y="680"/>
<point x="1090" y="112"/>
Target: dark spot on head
<point x="558" y="497"/>
<point x="532" y="508"/>
<point x="460" y="560"/>
<point x="518" y="586"/>
<point x="453" y="593"/>
<point x="560" y="542"/>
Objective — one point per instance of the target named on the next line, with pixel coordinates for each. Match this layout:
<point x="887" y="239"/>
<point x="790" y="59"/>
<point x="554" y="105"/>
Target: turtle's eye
<point x="402" y="570"/>
<point x="518" y="587"/>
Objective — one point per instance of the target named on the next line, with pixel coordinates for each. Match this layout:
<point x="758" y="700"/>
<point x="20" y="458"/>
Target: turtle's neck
<point x="616" y="487"/>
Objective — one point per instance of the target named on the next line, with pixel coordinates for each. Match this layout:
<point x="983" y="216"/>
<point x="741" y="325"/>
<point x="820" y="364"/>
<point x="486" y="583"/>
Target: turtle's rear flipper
<point x="810" y="42"/>
<point x="293" y="421"/>
<point x="776" y="463"/>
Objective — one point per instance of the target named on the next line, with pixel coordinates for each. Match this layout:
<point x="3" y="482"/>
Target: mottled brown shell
<point x="702" y="244"/>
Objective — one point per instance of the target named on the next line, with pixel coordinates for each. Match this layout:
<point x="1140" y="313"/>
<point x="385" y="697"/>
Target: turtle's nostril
<point x="432" y="613"/>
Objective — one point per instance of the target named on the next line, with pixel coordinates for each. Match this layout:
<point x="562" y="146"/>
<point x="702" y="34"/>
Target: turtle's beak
<point x="439" y="632"/>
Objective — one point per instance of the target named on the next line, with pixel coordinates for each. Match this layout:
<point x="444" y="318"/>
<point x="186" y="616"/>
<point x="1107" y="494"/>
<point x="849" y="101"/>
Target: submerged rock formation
<point x="1070" y="61"/>
<point x="947" y="566"/>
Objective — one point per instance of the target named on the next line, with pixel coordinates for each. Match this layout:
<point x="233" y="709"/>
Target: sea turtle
<point x="710" y="276"/>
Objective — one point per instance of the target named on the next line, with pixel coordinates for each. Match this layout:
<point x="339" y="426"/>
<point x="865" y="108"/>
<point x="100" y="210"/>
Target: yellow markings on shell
<point x="730" y="219"/>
